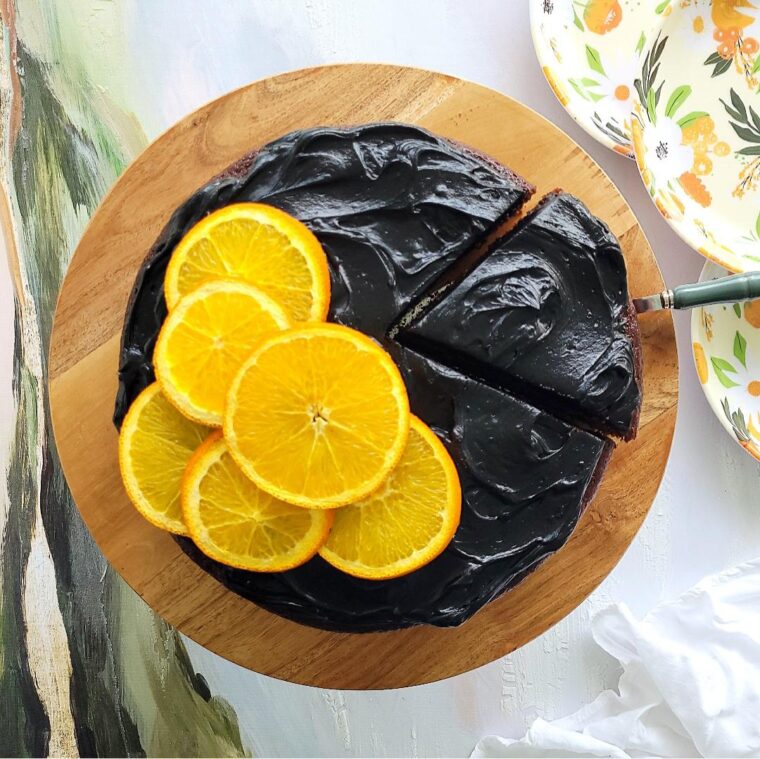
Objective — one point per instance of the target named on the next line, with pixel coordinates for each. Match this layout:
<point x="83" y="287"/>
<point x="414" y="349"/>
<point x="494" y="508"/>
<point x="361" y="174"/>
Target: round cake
<point x="520" y="351"/>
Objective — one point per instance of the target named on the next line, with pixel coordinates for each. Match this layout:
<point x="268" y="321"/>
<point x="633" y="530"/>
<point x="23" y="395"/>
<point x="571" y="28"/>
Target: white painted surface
<point x="707" y="514"/>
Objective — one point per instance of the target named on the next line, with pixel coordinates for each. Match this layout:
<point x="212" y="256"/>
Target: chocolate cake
<point x="401" y="213"/>
<point x="546" y="311"/>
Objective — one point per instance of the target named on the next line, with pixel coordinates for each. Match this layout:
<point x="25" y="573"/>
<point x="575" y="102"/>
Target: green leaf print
<point x="719" y="63"/>
<point x="738" y="310"/>
<point x="583" y="91"/>
<point x="740" y="348"/>
<point x="721" y="366"/>
<point x="642" y="41"/>
<point x="749" y="151"/>
<point x="577" y="87"/>
<point x="651" y="106"/>
<point x="594" y="60"/>
<point x="756" y="66"/>
<point x="676" y="100"/>
<point x="748" y="135"/>
<point x="755" y="118"/>
<point x="721" y="67"/>
<point x="690" y="117"/>
<point x="576" y="20"/>
<point x="662" y="6"/>
<point x="586" y="94"/>
<point x="738" y="103"/>
<point x="757" y="225"/>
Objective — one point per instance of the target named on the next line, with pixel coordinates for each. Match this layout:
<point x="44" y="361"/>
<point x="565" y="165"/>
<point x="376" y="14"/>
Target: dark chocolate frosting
<point x="392" y="204"/>
<point x="547" y="311"/>
<point x="525" y="478"/>
<point x="395" y="207"/>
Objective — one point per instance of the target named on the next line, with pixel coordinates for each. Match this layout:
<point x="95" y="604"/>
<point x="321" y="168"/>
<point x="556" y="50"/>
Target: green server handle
<point x="724" y="290"/>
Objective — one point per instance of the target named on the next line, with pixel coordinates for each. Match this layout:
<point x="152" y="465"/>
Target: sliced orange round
<point x="407" y="521"/>
<point x="206" y="339"/>
<point x="234" y="522"/>
<point x="318" y="416"/>
<point x="258" y="244"/>
<point x="155" y="443"/>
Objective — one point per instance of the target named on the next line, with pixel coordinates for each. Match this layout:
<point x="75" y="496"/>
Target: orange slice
<point x="260" y="245"/>
<point x="318" y="416"/>
<point x="236" y="523"/>
<point x="206" y="339"/>
<point x="155" y="444"/>
<point x="407" y="522"/>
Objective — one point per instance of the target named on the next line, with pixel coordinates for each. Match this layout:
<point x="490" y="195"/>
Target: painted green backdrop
<point x="85" y="665"/>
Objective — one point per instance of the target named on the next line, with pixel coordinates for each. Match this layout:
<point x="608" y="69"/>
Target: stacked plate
<point x="675" y="84"/>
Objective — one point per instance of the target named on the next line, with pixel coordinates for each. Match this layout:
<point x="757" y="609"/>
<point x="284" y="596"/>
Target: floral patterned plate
<point x="726" y="345"/>
<point x="590" y="52"/>
<point x="696" y="126"/>
<point x="677" y="83"/>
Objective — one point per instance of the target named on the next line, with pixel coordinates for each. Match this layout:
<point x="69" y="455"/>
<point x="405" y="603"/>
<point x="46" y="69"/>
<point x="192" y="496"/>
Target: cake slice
<point x="546" y="314"/>
<point x="526" y="477"/>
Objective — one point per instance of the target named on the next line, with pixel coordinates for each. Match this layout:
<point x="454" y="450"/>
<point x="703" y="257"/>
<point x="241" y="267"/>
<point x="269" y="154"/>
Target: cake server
<point x="725" y="290"/>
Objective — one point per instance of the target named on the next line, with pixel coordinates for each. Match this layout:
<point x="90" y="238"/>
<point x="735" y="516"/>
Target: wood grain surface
<point x="84" y="359"/>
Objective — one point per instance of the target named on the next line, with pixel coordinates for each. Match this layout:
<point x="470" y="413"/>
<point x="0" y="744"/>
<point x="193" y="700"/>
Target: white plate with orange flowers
<point x="590" y="53"/>
<point x="696" y="126"/>
<point x="694" y="105"/>
<point x="726" y="346"/>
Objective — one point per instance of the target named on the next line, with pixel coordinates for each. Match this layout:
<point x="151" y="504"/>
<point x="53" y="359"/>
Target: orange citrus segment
<point x="206" y="339"/>
<point x="234" y="522"/>
<point x="318" y="416"/>
<point x="258" y="244"/>
<point x="155" y="443"/>
<point x="407" y="521"/>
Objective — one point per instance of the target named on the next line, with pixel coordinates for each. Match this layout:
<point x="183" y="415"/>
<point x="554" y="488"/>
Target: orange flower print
<point x="695" y="188"/>
<point x="602" y="16"/>
<point x="702" y="165"/>
<point x="733" y="44"/>
<point x="661" y="208"/>
<point x="727" y="14"/>
<point x="722" y="149"/>
<point x="701" y="362"/>
<point x="554" y="84"/>
<point x="752" y="312"/>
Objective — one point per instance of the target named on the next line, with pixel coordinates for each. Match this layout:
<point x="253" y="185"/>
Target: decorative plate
<point x="696" y="125"/>
<point x="590" y="52"/>
<point x="726" y="346"/>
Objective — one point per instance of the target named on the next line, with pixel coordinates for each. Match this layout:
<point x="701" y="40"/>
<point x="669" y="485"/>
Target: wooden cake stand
<point x="84" y="361"/>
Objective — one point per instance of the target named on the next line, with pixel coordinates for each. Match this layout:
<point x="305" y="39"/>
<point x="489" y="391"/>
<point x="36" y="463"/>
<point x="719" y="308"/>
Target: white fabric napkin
<point x="690" y="684"/>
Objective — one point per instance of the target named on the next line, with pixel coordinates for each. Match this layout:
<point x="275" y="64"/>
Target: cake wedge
<point x="545" y="314"/>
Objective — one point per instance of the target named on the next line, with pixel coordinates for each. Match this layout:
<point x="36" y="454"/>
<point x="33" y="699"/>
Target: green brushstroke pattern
<point x="133" y="689"/>
<point x="24" y="726"/>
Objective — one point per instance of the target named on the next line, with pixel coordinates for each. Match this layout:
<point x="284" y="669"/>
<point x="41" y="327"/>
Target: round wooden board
<point x="84" y="359"/>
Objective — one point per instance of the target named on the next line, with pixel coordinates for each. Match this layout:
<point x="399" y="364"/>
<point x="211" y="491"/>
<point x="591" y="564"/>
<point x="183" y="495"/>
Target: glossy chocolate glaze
<point x="547" y="311"/>
<point x="525" y="477"/>
<point x="392" y="204"/>
<point x="394" y="208"/>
